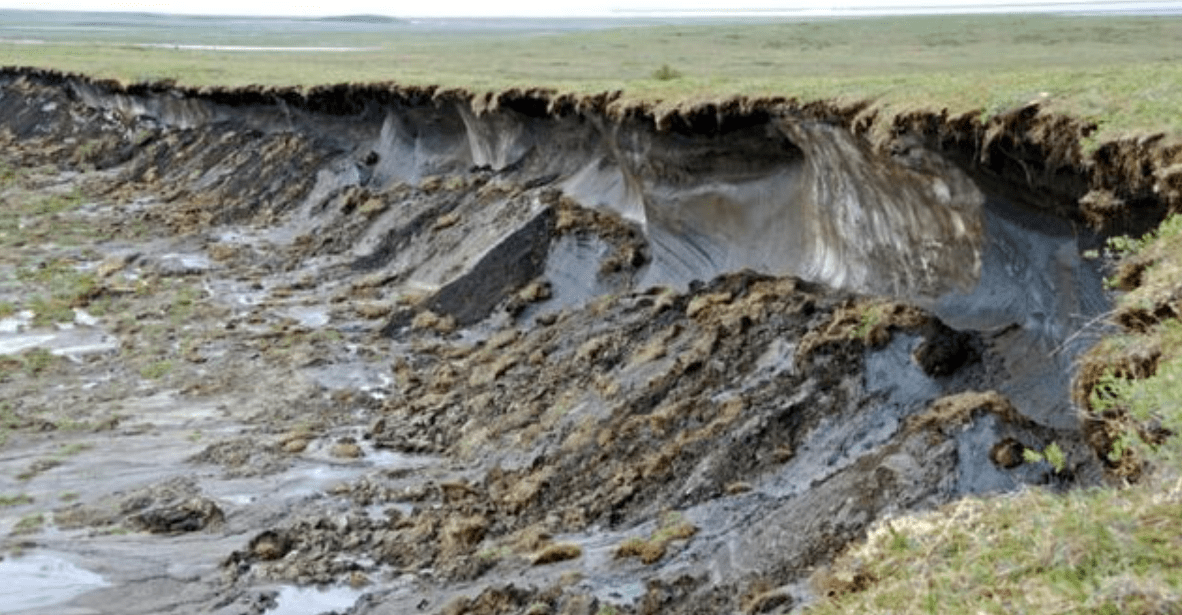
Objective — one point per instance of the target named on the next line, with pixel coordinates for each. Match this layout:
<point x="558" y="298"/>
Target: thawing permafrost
<point x="837" y="214"/>
<point x="782" y="197"/>
<point x="768" y="189"/>
<point x="779" y="195"/>
<point x="750" y="406"/>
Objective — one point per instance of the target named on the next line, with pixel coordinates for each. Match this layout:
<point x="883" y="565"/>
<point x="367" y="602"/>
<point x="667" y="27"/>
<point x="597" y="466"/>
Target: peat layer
<point x="537" y="353"/>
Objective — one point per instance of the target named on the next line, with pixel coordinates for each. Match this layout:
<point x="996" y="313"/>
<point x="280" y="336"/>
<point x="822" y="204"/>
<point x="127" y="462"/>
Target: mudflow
<point x="371" y="349"/>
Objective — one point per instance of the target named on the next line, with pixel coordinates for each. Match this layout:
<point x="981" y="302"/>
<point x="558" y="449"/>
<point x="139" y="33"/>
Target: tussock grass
<point x="670" y="528"/>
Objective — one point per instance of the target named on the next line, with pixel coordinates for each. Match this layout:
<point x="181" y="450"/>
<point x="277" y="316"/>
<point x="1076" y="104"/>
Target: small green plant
<point x="8" y="421"/>
<point x="870" y="319"/>
<point x="69" y="450"/>
<point x="88" y="149"/>
<point x="8" y="418"/>
<point x="7" y="309"/>
<point x="8" y="501"/>
<point x="494" y="553"/>
<point x="8" y="175"/>
<point x="1052" y="454"/>
<point x="1120" y="445"/>
<point x="29" y="524"/>
<point x="156" y="370"/>
<point x="68" y="496"/>
<point x="142" y="136"/>
<point x="1124" y="246"/>
<point x="37" y="360"/>
<point x="666" y="73"/>
<point x="538" y="608"/>
<point x="899" y="543"/>
<point x="58" y="203"/>
<point x="50" y="310"/>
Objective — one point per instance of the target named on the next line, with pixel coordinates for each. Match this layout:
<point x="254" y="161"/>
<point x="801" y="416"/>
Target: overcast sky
<point x="457" y="8"/>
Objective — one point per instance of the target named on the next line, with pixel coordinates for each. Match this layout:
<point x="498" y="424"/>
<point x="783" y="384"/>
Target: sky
<point x="515" y="8"/>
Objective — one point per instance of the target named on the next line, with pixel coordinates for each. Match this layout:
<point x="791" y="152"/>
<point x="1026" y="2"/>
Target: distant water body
<point x="1123" y="7"/>
<point x="46" y="26"/>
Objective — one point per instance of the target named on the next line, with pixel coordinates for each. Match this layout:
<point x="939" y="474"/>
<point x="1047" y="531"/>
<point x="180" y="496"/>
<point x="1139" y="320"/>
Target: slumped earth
<point x="364" y="349"/>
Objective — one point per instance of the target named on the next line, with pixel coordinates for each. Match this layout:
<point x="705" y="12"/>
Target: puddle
<point x="314" y="601"/>
<point x="69" y="341"/>
<point x="190" y="47"/>
<point x="359" y="376"/>
<point x="40" y="580"/>
<point x="311" y="317"/>
<point x="16" y="322"/>
<point x="80" y="337"/>
<point x="184" y="264"/>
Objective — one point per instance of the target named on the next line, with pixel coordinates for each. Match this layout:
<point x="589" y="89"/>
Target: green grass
<point x="1094" y="551"/>
<point x="20" y="499"/>
<point x="1120" y="71"/>
<point x="55" y="289"/>
<point x="33" y="362"/>
<point x="29" y="524"/>
<point x="37" y="360"/>
<point x="8" y="421"/>
<point x="38" y="218"/>
<point x="156" y="370"/>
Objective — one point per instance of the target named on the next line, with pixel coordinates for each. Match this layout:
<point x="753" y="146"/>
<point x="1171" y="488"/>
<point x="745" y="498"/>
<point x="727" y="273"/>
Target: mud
<point x="372" y="349"/>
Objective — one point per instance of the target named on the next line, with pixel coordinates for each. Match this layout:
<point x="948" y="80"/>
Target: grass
<point x="20" y="499"/>
<point x="558" y="552"/>
<point x="1095" y="551"/>
<point x="37" y="360"/>
<point x="156" y="370"/>
<point x="8" y="419"/>
<point x="55" y="288"/>
<point x="1118" y="70"/>
<point x="39" y="218"/>
<point x="33" y="363"/>
<point x="29" y="524"/>
<point x="649" y="550"/>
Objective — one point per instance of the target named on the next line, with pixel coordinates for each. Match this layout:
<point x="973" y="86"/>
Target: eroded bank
<point x="655" y="364"/>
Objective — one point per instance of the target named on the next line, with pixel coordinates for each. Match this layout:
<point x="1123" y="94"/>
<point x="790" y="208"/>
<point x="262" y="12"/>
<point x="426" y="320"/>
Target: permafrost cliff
<point x="658" y="363"/>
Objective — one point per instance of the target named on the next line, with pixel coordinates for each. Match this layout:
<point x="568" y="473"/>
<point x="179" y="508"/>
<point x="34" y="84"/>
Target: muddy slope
<point x="582" y="356"/>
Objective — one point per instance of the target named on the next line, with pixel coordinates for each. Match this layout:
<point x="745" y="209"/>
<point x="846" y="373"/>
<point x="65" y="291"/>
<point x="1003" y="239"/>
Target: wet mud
<point x="369" y="349"/>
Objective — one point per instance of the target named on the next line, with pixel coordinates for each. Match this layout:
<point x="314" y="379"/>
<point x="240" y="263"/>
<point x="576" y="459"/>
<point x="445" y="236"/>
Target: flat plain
<point x="1124" y="72"/>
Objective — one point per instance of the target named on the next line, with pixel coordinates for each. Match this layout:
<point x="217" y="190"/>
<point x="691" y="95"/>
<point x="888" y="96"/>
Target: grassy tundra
<point x="1125" y="72"/>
